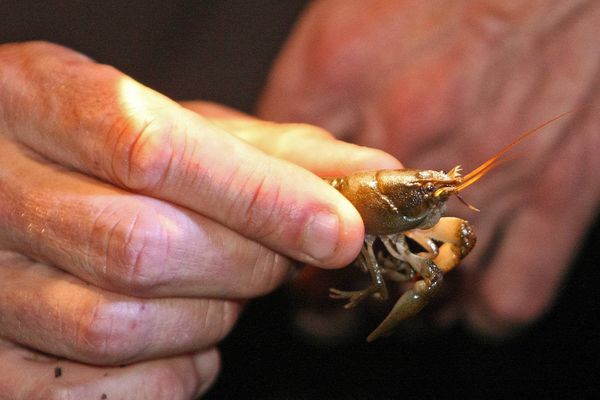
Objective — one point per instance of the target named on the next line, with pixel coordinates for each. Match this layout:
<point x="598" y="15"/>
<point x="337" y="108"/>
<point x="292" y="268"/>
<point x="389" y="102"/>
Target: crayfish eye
<point x="428" y="188"/>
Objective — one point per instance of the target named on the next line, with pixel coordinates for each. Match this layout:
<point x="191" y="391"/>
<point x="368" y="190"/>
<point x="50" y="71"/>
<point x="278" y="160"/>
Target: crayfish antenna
<point x="471" y="206"/>
<point x="496" y="159"/>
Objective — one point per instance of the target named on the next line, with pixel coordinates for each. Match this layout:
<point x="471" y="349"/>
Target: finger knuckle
<point x="135" y="249"/>
<point x="260" y="207"/>
<point x="142" y="153"/>
<point x="299" y="133"/>
<point x="111" y="333"/>
<point x="306" y="131"/>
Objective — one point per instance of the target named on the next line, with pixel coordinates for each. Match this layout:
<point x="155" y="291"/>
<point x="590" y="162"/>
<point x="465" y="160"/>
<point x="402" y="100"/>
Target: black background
<point x="221" y="51"/>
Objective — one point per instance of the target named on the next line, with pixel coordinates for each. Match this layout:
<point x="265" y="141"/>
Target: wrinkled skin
<point x="481" y="85"/>
<point x="440" y="83"/>
<point x="132" y="229"/>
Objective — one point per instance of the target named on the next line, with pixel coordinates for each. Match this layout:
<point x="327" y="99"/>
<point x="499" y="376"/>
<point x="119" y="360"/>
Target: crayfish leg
<point x="377" y="288"/>
<point x="398" y="271"/>
<point x="412" y="301"/>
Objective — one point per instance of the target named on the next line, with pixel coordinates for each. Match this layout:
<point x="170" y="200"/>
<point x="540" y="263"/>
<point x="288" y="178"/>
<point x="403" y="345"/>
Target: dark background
<point x="221" y="51"/>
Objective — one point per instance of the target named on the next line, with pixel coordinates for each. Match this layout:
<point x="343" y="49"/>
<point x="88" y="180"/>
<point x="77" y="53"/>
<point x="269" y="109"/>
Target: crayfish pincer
<point x="409" y="203"/>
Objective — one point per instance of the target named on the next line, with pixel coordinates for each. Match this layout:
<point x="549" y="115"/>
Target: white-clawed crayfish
<point x="409" y="203"/>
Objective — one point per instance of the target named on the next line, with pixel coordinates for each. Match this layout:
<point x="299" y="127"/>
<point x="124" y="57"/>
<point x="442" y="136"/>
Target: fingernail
<point x="208" y="365"/>
<point x="320" y="238"/>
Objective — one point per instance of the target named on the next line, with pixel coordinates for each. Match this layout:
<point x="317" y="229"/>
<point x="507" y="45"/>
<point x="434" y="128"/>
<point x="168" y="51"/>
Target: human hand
<point x="445" y="83"/>
<point x="132" y="229"/>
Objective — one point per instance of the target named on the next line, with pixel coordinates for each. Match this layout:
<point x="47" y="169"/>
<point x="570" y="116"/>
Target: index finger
<point x="95" y="119"/>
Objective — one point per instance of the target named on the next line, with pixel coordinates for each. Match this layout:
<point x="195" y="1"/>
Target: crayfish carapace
<point x="409" y="203"/>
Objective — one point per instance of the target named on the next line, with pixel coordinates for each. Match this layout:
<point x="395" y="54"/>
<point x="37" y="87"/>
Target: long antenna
<point x="484" y="168"/>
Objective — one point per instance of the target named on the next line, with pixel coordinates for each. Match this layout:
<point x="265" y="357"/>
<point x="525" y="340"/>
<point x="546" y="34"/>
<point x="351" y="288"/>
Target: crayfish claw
<point x="408" y="305"/>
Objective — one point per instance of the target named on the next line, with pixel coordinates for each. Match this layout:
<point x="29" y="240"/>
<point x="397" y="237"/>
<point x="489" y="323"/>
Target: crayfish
<point x="409" y="203"/>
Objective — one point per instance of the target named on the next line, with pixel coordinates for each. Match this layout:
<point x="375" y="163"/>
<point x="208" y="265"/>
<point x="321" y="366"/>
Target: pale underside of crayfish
<point x="409" y="203"/>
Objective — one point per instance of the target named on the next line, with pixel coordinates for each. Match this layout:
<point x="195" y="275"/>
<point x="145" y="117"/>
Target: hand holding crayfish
<point x="444" y="83"/>
<point x="133" y="229"/>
